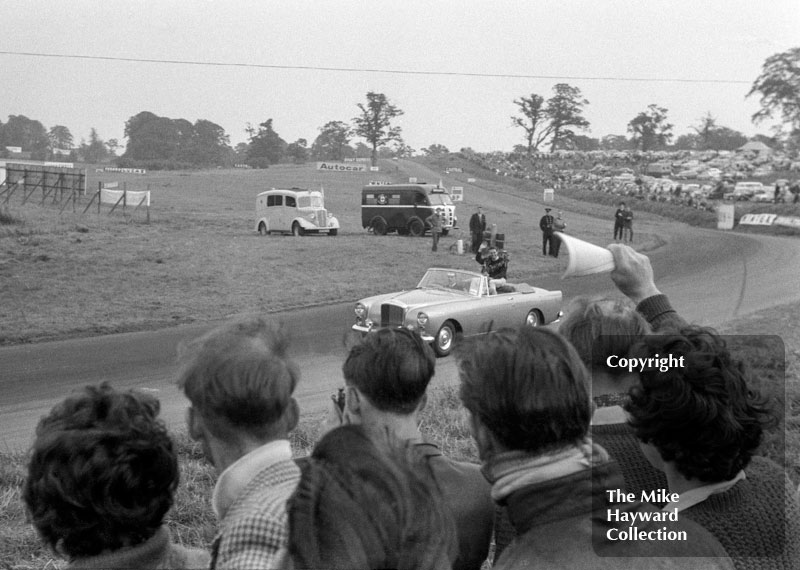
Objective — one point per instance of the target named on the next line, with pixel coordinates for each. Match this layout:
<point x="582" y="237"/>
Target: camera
<point x="338" y="399"/>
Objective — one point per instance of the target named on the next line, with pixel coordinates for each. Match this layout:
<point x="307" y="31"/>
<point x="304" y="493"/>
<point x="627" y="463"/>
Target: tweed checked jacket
<point x="254" y="529"/>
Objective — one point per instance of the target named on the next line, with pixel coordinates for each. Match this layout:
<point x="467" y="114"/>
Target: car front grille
<point x="322" y="218"/>
<point x="392" y="315"/>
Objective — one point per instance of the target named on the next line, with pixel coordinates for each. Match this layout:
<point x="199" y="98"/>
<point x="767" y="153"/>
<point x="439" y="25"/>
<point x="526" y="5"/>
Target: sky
<point x="453" y="67"/>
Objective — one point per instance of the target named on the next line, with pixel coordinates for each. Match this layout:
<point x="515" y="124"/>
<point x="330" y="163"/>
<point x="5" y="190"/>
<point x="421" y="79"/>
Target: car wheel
<point x="379" y="226"/>
<point x="297" y="230"/>
<point x="333" y="233"/>
<point x="415" y="227"/>
<point x="262" y="229"/>
<point x="534" y="318"/>
<point x="445" y="339"/>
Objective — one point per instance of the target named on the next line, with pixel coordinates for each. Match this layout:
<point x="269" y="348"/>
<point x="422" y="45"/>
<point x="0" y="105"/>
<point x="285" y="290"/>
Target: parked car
<point x="448" y="303"/>
<point x="744" y="191"/>
<point x="297" y="211"/>
<point x="765" y="196"/>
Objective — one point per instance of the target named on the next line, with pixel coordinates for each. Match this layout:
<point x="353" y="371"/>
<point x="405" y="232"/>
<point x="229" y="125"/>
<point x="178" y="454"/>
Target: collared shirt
<point x="699" y="494"/>
<point x="238" y="475"/>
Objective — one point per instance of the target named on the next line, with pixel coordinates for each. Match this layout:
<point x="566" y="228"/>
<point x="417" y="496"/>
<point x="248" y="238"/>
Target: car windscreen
<point x="451" y="280"/>
<point x="311" y="201"/>
<point x="440" y="199"/>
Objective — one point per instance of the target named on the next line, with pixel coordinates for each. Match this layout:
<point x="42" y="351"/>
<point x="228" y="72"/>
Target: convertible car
<point x="451" y="302"/>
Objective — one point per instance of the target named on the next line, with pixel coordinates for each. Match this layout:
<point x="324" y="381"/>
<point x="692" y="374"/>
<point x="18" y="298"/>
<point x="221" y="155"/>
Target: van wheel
<point x="297" y="230"/>
<point x="415" y="227"/>
<point x="379" y="226"/>
<point x="262" y="229"/>
<point x="445" y="232"/>
<point x="333" y="233"/>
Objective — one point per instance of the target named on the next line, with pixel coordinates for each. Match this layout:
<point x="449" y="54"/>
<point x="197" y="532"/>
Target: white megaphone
<point x="585" y="258"/>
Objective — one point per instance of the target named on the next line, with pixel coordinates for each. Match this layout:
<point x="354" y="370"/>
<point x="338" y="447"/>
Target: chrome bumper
<point x="365" y="330"/>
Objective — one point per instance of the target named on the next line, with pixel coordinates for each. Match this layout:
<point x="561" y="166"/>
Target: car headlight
<point x="422" y="320"/>
<point x="330" y="214"/>
<point x="361" y="311"/>
<point x="311" y="217"/>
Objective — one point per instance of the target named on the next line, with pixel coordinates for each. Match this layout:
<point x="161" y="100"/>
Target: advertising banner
<point x="341" y="167"/>
<point x="788" y="221"/>
<point x="757" y="219"/>
<point x="457" y="193"/>
<point x="725" y="216"/>
<point x="132" y="199"/>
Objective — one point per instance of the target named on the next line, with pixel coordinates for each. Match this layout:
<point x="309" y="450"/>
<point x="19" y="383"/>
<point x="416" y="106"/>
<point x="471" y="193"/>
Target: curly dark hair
<point x="527" y="386"/>
<point x="702" y="416"/>
<point x="102" y="473"/>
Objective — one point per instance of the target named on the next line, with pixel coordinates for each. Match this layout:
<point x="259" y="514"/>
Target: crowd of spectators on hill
<point x="625" y="173"/>
<point x="583" y="463"/>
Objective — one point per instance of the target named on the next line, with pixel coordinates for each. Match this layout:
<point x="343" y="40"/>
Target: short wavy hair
<point x="240" y="376"/>
<point x="392" y="368"/>
<point x="599" y="328"/>
<point x="364" y="503"/>
<point x="704" y="416"/>
<point x="102" y="474"/>
<point x="527" y="386"/>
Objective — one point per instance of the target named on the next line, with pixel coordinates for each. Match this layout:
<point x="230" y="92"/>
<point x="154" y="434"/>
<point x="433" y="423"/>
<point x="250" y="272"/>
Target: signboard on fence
<point x="470" y="180"/>
<point x="725" y="216"/>
<point x="125" y="170"/>
<point x="132" y="199"/>
<point x="341" y="167"/>
<point x="457" y="193"/>
<point x="757" y="219"/>
<point x="788" y="221"/>
<point x="549" y="195"/>
<point x="449" y="170"/>
<point x="412" y="180"/>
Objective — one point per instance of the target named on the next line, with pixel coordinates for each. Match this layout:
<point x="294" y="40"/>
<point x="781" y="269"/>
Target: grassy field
<point x="201" y="259"/>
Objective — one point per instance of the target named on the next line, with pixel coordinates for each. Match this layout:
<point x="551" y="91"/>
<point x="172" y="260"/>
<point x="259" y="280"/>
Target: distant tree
<point x="615" y="142"/>
<point x="113" y="146"/>
<point x="362" y="150"/>
<point x="724" y="138"/>
<point x="704" y="130"/>
<point x="60" y="137"/>
<point x="266" y="146"/>
<point x="650" y="129"/>
<point x="404" y="151"/>
<point x="533" y="121"/>
<point x="332" y="142"/>
<point x="564" y="111"/>
<point x="208" y="144"/>
<point x="26" y="133"/>
<point x="375" y="122"/>
<point x="435" y="150"/>
<point x="298" y="151"/>
<point x="779" y="88"/>
<point x="240" y="153"/>
<point x="151" y="137"/>
<point x="584" y="143"/>
<point x="95" y="151"/>
<point x="688" y="141"/>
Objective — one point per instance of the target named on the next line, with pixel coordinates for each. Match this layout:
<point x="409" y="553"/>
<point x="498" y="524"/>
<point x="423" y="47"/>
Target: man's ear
<point x="292" y="415"/>
<point x="422" y="403"/>
<point x="484" y="439"/>
<point x="194" y="424"/>
<point x="352" y="401"/>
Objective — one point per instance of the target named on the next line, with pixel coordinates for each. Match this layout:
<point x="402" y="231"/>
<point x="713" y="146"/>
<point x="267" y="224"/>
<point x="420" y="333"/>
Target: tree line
<point x="552" y="123"/>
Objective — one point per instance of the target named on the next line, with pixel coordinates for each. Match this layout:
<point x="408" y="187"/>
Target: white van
<point x="296" y="211"/>
<point x="744" y="191"/>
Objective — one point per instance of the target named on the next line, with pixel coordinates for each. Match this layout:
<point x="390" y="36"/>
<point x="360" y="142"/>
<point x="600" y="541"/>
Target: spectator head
<point x="364" y="503"/>
<point x="599" y="328"/>
<point x="102" y="472"/>
<point x="239" y="381"/>
<point x="622" y="204"/>
<point x="702" y="416"/>
<point x="391" y="368"/>
<point x="527" y="387"/>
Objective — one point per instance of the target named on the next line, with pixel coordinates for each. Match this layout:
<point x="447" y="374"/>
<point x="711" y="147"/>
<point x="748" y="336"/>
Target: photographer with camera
<point x="386" y="380"/>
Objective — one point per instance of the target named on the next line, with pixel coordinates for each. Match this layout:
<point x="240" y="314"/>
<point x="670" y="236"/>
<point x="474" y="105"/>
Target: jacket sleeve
<point x="659" y="313"/>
